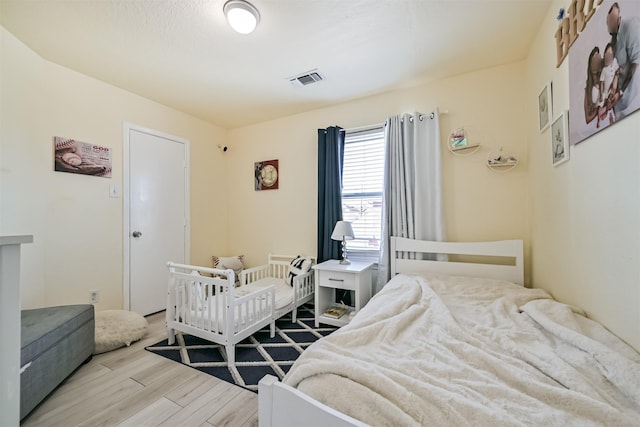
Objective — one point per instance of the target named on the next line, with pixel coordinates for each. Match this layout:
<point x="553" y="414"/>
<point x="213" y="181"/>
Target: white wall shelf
<point x="464" y="151"/>
<point x="500" y="162"/>
<point x="458" y="143"/>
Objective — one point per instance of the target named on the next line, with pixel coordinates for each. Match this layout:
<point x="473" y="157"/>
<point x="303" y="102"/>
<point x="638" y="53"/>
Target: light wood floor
<point x="133" y="387"/>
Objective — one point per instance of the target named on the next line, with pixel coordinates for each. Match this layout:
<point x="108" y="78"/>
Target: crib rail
<point x="303" y="285"/>
<point x="250" y="275"/>
<point x="200" y="304"/>
<point x="278" y="267"/>
<point x="252" y="309"/>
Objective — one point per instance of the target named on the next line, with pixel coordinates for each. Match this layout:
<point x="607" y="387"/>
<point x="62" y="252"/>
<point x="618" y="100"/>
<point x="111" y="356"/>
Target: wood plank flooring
<point x="133" y="387"/>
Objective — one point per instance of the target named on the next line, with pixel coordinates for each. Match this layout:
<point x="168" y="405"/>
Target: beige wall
<point x="585" y="214"/>
<point x="479" y="204"/>
<point x="77" y="228"/>
<point x="580" y="221"/>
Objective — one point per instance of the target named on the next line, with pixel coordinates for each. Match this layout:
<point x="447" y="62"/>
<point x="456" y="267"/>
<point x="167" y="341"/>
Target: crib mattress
<point x="284" y="292"/>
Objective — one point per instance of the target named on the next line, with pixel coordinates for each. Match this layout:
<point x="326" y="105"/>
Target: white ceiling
<point x="183" y="54"/>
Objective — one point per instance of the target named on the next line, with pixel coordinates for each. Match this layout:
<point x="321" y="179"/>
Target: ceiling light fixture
<point x="242" y="16"/>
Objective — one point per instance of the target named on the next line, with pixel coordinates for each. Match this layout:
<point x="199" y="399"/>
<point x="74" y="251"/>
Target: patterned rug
<point x="256" y="356"/>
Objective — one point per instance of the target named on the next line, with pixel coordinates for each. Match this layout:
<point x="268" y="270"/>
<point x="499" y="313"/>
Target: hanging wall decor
<point x="559" y="140"/>
<point x="545" y="107"/>
<point x="570" y="24"/>
<point x="82" y="158"/>
<point x="603" y="86"/>
<point x="266" y="175"/>
<point x="459" y="143"/>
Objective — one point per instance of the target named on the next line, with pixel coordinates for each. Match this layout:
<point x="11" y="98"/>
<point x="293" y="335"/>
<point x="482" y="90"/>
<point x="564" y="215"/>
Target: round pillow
<point x="117" y="328"/>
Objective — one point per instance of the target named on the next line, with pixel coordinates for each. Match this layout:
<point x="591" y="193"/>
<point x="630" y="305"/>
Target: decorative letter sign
<point x="572" y="24"/>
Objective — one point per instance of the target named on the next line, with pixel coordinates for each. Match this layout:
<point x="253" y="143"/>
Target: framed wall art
<point x="545" y="107"/>
<point x="266" y="175"/>
<point x="560" y="139"/>
<point x="603" y="86"/>
<point x="73" y="156"/>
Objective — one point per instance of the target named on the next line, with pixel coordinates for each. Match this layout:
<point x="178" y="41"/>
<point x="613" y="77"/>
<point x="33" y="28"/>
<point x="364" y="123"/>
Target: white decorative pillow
<point x="229" y="263"/>
<point x="299" y="265"/>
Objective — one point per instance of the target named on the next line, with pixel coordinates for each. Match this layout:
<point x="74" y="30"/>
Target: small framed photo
<point x="266" y="175"/>
<point x="545" y="107"/>
<point x="560" y="139"/>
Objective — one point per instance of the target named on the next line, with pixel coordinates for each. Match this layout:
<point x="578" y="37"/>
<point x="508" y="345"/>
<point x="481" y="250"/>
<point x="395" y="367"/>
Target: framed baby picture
<point x="545" y="107"/>
<point x="560" y="139"/>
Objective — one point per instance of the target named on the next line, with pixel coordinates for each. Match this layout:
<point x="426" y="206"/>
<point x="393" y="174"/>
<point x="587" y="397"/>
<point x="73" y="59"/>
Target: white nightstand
<point x="331" y="275"/>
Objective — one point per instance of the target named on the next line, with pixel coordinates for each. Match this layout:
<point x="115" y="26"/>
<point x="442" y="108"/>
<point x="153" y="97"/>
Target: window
<point x="362" y="182"/>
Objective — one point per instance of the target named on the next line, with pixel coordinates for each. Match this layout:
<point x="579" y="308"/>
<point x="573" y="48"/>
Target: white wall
<point x="77" y="227"/>
<point x="585" y="214"/>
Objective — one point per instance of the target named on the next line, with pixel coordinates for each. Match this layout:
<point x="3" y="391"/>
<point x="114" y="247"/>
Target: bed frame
<point x="282" y="406"/>
<point x="201" y="303"/>
<point x="278" y="267"/>
<point x="504" y="249"/>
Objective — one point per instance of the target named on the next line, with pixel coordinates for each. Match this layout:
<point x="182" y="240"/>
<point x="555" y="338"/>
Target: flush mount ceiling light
<point x="242" y="16"/>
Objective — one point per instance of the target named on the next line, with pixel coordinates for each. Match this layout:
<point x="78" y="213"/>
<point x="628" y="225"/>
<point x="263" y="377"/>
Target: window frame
<point x="361" y="135"/>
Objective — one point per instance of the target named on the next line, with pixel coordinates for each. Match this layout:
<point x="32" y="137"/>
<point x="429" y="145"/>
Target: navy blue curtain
<point x="330" y="156"/>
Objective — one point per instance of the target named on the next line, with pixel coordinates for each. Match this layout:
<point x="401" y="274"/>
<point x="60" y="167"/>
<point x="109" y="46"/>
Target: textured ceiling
<point x="183" y="54"/>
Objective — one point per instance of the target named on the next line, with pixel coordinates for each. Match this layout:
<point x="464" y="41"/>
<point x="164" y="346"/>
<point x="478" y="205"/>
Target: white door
<point x="157" y="228"/>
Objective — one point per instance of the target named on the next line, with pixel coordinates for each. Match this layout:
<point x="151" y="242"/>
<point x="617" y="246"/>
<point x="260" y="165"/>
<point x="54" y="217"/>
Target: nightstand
<point x="331" y="275"/>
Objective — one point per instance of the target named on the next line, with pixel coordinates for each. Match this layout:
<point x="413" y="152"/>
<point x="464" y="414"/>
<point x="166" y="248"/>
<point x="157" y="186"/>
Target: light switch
<point x="114" y="191"/>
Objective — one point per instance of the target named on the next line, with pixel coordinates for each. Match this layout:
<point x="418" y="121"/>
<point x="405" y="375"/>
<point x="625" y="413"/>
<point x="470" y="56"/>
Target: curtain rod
<point x="431" y="115"/>
<point x="364" y="128"/>
<point x="379" y="125"/>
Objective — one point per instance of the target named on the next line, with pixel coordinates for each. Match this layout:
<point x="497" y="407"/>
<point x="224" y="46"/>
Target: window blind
<point x="362" y="182"/>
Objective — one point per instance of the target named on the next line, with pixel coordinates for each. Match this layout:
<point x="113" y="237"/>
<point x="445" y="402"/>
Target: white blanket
<point x="476" y="352"/>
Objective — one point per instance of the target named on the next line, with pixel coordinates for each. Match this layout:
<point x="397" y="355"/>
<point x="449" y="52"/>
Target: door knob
<point x="136" y="234"/>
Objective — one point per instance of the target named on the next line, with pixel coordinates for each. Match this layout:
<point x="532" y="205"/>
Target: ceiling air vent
<point x="307" y="78"/>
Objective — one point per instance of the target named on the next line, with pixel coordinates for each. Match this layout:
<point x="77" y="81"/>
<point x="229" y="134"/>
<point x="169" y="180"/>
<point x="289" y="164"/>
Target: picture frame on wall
<point x="72" y="156"/>
<point x="266" y="175"/>
<point x="603" y="88"/>
<point x="560" y="139"/>
<point x="545" y="107"/>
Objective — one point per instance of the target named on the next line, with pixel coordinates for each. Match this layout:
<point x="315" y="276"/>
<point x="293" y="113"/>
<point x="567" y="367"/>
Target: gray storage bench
<point x="55" y="341"/>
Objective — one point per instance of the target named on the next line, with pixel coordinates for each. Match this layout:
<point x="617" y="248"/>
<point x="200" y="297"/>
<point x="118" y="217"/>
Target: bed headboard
<point x="504" y="248"/>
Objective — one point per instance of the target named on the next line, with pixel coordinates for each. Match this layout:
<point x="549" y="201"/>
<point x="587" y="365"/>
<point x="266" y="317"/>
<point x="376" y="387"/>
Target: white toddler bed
<point x="291" y="276"/>
<point x="212" y="308"/>
<point x="471" y="349"/>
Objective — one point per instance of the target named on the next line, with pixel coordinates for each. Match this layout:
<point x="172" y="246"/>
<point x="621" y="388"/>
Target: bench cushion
<point x="54" y="341"/>
<point x="43" y="328"/>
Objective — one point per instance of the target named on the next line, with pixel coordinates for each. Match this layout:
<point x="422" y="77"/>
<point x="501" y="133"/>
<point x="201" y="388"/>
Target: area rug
<point x="256" y="356"/>
<point x="117" y="328"/>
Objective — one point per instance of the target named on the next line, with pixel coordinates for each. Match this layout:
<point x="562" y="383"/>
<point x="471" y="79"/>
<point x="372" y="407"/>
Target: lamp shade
<point x="242" y="16"/>
<point x="343" y="230"/>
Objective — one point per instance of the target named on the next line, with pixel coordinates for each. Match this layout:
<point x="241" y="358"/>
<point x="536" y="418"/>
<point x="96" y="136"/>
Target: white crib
<point x="274" y="273"/>
<point x="212" y="309"/>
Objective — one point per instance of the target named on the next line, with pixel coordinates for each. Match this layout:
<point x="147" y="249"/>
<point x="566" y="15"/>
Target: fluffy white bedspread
<point x="459" y="351"/>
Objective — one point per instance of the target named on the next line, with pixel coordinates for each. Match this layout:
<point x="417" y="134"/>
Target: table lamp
<point x="343" y="231"/>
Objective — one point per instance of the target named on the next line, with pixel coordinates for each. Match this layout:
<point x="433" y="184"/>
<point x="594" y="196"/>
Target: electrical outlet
<point x="94" y="297"/>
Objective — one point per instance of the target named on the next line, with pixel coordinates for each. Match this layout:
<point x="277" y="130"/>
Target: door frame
<point x="127" y="128"/>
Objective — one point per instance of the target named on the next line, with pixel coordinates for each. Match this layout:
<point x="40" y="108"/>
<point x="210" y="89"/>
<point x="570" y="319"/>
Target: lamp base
<point x="344" y="260"/>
